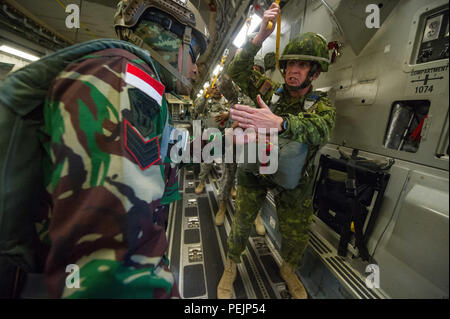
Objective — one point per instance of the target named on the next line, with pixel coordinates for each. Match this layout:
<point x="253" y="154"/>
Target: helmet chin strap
<point x="186" y="56"/>
<point x="308" y="80"/>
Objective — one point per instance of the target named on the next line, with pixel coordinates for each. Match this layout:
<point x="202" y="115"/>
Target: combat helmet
<point x="258" y="60"/>
<point x="308" y="47"/>
<point x="177" y="16"/>
<point x="270" y="61"/>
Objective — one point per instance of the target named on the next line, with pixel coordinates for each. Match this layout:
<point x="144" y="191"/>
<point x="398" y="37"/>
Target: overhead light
<point x="240" y="38"/>
<point x="200" y="92"/>
<point x="18" y="53"/>
<point x="216" y="70"/>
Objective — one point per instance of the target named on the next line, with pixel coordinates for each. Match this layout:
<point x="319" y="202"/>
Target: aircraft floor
<point x="198" y="247"/>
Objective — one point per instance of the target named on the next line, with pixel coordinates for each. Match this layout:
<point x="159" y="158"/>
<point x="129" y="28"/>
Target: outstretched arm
<point x="241" y="70"/>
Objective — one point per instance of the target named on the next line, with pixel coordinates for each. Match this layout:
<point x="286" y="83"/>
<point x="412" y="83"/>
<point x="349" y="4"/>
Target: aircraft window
<point x="406" y="125"/>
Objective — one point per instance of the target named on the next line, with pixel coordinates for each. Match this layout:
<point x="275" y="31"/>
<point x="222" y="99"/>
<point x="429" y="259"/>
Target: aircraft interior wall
<point x="372" y="74"/>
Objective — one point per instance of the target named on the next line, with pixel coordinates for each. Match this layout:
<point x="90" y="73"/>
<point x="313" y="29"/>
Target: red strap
<point x="415" y="135"/>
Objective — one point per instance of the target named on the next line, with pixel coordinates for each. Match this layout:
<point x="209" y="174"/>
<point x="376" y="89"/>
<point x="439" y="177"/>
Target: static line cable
<point x="217" y="75"/>
<point x="269" y="26"/>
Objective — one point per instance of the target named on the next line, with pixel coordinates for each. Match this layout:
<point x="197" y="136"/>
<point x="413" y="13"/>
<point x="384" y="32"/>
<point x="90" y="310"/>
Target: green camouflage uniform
<point x="105" y="213"/>
<point x="229" y="169"/>
<point x="311" y="119"/>
<point x="203" y="107"/>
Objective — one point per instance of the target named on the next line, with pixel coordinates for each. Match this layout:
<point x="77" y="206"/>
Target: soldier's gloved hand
<point x="256" y="118"/>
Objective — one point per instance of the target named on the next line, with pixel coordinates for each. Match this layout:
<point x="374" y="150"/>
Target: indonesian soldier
<point x="106" y="135"/>
<point x="213" y="111"/>
<point x="300" y="115"/>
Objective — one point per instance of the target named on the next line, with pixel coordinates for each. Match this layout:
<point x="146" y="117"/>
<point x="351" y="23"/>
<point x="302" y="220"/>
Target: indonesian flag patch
<point x="144" y="82"/>
<point x="146" y="153"/>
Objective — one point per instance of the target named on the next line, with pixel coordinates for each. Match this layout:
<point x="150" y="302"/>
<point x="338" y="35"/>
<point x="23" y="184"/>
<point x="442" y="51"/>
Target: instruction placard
<point x="428" y="81"/>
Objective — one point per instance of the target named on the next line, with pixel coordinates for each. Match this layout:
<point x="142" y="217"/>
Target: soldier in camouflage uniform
<point x="270" y="62"/>
<point x="300" y="115"/>
<point x="235" y="95"/>
<point x="109" y="182"/>
<point x="258" y="64"/>
<point x="213" y="111"/>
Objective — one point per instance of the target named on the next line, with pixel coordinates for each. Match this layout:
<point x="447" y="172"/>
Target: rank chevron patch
<point x="146" y="153"/>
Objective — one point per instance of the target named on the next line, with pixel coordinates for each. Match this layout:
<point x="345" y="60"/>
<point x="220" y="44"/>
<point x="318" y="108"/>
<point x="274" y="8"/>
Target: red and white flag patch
<point x="144" y="82"/>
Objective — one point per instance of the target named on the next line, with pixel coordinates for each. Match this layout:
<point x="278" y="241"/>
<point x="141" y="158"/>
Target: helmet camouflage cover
<point x="163" y="29"/>
<point x="130" y="12"/>
<point x="270" y="61"/>
<point x="309" y="47"/>
<point x="258" y="60"/>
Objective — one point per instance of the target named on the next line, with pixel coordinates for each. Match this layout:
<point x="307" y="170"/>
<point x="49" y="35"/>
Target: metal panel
<point x="414" y="253"/>
<point x="379" y="77"/>
<point x="351" y="17"/>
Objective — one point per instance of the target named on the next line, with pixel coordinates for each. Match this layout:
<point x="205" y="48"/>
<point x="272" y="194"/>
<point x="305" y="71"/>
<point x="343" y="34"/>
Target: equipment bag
<point x="292" y="156"/>
<point x="343" y="191"/>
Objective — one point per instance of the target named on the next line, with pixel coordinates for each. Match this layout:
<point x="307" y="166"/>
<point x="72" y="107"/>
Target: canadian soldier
<point x="300" y="115"/>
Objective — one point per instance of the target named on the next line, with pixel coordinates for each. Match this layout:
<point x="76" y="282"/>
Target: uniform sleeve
<point x="199" y="106"/>
<point x="109" y="191"/>
<point x="228" y="89"/>
<point x="312" y="128"/>
<point x="251" y="82"/>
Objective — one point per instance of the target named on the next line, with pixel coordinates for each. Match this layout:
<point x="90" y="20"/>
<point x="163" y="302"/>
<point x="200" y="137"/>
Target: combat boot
<point x="225" y="287"/>
<point x="295" y="286"/>
<point x="200" y="188"/>
<point x="233" y="192"/>
<point x="220" y="216"/>
<point x="260" y="229"/>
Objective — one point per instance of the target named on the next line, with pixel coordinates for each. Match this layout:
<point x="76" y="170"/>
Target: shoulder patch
<point x="267" y="85"/>
<point x="143" y="110"/>
<point x="144" y="82"/>
<point x="311" y="99"/>
<point x="275" y="98"/>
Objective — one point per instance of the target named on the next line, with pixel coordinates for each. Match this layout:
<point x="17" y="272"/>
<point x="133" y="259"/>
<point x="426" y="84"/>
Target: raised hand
<point x="271" y="15"/>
